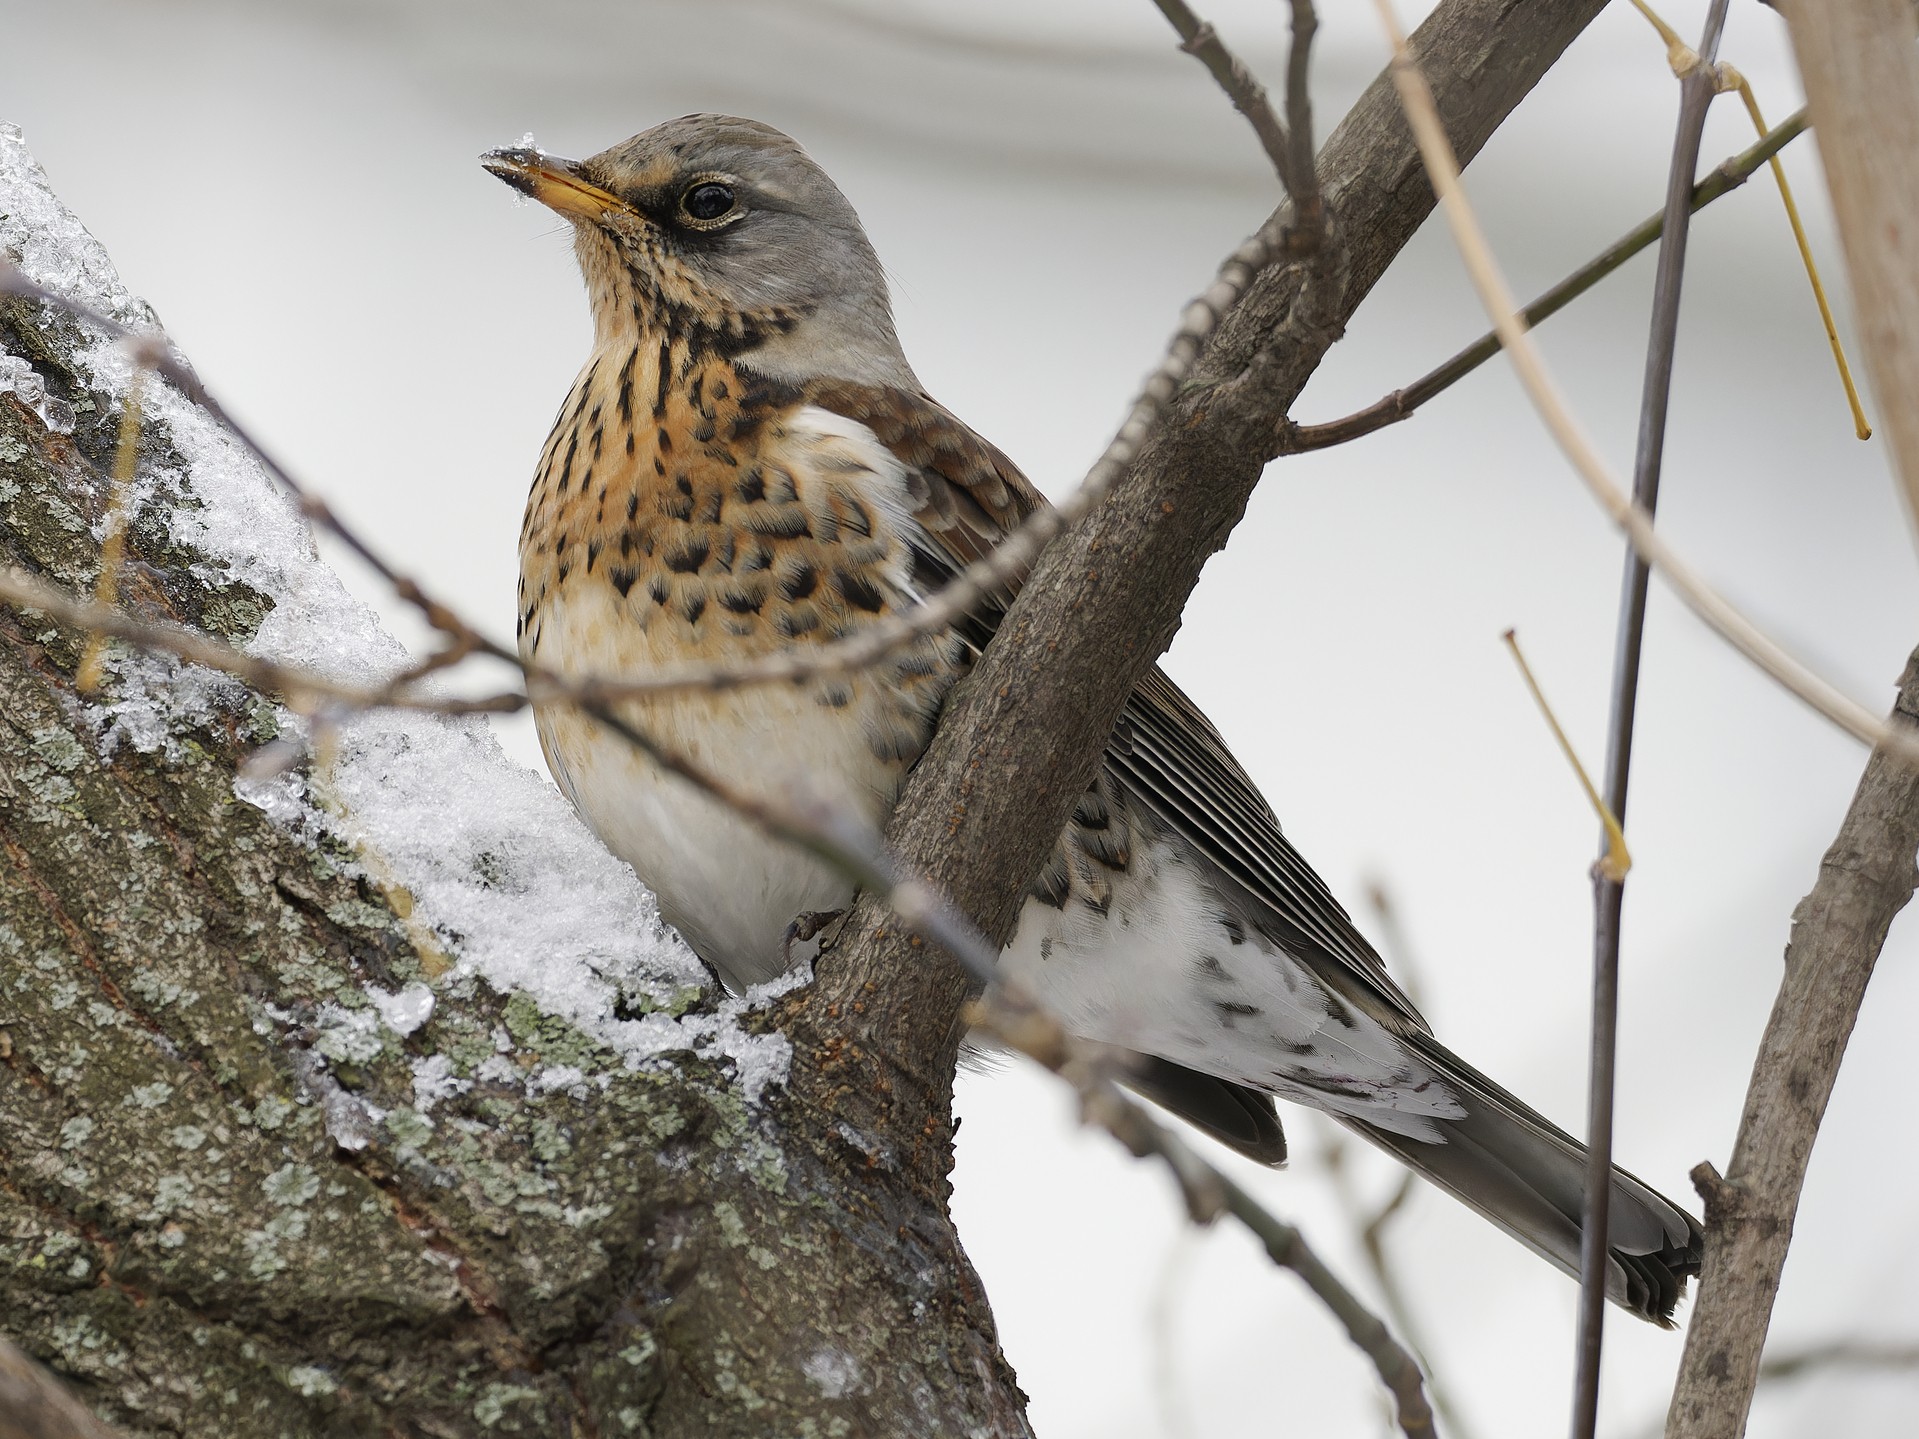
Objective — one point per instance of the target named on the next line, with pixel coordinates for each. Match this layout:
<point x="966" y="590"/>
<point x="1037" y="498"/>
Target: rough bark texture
<point x="1021" y="737"/>
<point x="1838" y="929"/>
<point x="1861" y="71"/>
<point x="182" y="1239"/>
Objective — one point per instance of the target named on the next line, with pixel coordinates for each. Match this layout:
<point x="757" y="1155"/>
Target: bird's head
<point x="724" y="234"/>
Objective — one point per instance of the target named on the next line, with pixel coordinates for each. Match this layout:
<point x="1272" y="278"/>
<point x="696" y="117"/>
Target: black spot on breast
<point x="694" y="392"/>
<point x="799" y="582"/>
<point x="742" y="602"/>
<point x="757" y="558"/>
<point x="666" y="374"/>
<point x="632" y="506"/>
<point x="1227" y="1006"/>
<point x="695" y="607"/>
<point x="659" y="589"/>
<point x="626" y="390"/>
<point x="788" y="522"/>
<point x="750" y="488"/>
<point x="592" y="555"/>
<point x="688" y="560"/>
<point x="1235" y="931"/>
<point x="794" y="623"/>
<point x="683" y="483"/>
<point x="622" y="578"/>
<point x="704" y="431"/>
<point x="858" y="591"/>
<point x="665" y="443"/>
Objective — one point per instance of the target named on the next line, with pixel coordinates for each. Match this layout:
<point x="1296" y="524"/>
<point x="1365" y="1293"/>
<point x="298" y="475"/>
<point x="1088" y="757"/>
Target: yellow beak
<point x="554" y="182"/>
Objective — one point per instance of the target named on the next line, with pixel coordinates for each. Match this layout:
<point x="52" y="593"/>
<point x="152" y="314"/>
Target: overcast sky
<point x="294" y="187"/>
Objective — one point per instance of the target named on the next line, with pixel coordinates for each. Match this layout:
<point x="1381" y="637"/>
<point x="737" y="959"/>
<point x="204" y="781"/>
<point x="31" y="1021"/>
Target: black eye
<point x="708" y="200"/>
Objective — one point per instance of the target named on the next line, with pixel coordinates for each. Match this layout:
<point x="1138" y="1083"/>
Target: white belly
<point x="727" y="886"/>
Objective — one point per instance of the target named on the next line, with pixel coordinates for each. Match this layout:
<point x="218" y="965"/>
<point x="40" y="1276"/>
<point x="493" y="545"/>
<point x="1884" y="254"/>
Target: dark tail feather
<point x="1528" y="1177"/>
<point x="1238" y="1117"/>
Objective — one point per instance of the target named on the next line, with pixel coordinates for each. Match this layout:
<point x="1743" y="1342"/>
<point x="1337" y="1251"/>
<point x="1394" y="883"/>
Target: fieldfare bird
<point x="747" y="464"/>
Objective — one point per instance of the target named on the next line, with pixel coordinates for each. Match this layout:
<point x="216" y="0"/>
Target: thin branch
<point x="1209" y="1193"/>
<point x="300" y="686"/>
<point x="1006" y="563"/>
<point x="1307" y="200"/>
<point x="1198" y="39"/>
<point x="1697" y="88"/>
<point x="1401" y="404"/>
<point x="153" y="352"/>
<point x="1864" y="1355"/>
<point x="1698" y="596"/>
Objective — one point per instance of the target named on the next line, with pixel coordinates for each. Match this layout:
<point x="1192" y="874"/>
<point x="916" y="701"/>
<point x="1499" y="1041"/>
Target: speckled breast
<point x="687" y="511"/>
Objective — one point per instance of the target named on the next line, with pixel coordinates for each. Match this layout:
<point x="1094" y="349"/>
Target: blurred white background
<point x="294" y="187"/>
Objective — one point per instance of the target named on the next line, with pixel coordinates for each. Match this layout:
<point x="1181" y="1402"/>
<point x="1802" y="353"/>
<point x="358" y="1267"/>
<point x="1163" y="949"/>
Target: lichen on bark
<point x="232" y="1200"/>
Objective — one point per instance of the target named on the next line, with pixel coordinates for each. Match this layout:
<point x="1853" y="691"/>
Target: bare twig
<point x="1307" y="201"/>
<point x="1861" y="73"/>
<point x="1860" y="425"/>
<point x="1209" y="1193"/>
<point x="1719" y="615"/>
<point x="152" y="352"/>
<point x="1198" y="39"/>
<point x="1697" y="88"/>
<point x="1864" y="1355"/>
<point x="1400" y="404"/>
<point x="301" y="686"/>
<point x="1003" y="565"/>
<point x="1865" y="879"/>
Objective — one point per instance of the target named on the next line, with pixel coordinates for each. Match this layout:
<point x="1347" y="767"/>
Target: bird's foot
<point x="805" y="927"/>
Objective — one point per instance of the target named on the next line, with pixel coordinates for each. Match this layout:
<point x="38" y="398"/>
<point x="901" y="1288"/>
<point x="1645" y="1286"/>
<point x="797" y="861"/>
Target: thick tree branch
<point x="1865" y="879"/>
<point x="1020" y="739"/>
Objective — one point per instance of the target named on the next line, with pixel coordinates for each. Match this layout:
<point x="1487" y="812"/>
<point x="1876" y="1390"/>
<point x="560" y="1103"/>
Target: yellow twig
<point x="113" y="545"/>
<point x="1681" y="56"/>
<point x="1442" y="168"/>
<point x="1731" y="78"/>
<point x="1684" y="61"/>
<point x="1617" y="860"/>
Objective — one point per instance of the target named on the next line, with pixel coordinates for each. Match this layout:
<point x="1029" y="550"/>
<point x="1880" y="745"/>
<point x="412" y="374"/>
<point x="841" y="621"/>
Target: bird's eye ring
<point x="707" y="202"/>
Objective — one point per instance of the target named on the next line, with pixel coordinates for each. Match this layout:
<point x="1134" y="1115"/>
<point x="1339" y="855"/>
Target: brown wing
<point x="969" y="493"/>
<point x="1164" y="752"/>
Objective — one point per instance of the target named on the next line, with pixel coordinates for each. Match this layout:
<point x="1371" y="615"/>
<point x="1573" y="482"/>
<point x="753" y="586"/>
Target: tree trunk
<point x="224" y="1208"/>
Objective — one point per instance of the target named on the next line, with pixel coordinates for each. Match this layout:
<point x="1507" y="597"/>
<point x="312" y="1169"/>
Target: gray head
<point x="722" y="232"/>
